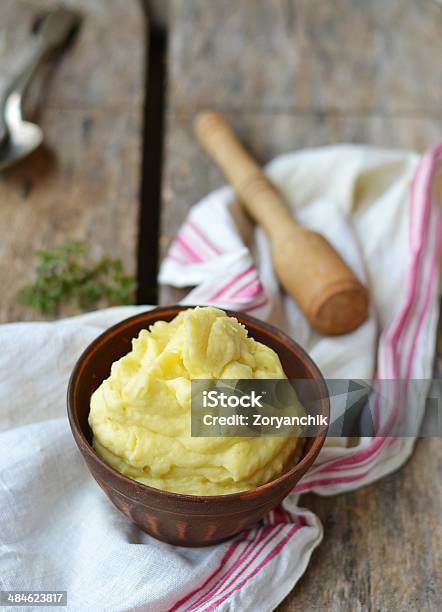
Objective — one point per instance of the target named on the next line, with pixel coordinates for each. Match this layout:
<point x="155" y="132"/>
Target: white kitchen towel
<point x="59" y="531"/>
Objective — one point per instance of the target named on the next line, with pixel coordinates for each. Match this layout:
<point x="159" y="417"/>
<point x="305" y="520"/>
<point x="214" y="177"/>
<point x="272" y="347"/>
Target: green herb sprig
<point x="67" y="274"/>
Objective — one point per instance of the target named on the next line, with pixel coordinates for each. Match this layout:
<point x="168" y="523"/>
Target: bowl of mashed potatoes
<point x="129" y="408"/>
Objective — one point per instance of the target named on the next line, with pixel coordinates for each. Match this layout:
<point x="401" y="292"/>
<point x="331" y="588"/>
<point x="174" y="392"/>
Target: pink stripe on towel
<point x="190" y="252"/>
<point x="270" y="555"/>
<point x="203" y="237"/>
<point x="222" y="290"/>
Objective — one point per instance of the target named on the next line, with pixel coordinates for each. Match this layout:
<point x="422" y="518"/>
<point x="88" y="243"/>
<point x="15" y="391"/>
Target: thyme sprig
<point x="67" y="274"/>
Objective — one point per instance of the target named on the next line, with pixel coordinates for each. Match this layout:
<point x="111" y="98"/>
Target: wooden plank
<point x="297" y="73"/>
<point x="83" y="183"/>
<point x="276" y="55"/>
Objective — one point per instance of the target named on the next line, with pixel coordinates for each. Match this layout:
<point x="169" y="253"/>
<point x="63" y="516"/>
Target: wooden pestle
<point x="308" y="267"/>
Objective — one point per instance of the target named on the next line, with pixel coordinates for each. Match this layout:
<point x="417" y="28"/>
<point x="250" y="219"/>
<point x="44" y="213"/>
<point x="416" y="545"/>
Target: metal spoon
<point x="18" y="137"/>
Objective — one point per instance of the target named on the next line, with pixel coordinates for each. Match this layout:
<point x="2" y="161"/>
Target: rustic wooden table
<point x="297" y="73"/>
<point x="83" y="184"/>
<point x="289" y="74"/>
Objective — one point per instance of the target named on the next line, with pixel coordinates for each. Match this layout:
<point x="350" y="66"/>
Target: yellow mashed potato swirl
<point x="140" y="415"/>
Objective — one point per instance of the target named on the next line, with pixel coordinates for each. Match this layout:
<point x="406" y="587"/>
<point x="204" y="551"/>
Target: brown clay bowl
<point x="186" y="520"/>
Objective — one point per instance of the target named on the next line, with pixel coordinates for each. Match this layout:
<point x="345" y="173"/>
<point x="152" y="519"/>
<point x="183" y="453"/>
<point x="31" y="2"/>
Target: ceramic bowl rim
<point x="85" y="446"/>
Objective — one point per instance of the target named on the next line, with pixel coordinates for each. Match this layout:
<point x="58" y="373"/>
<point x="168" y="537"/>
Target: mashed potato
<point x="140" y="415"/>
